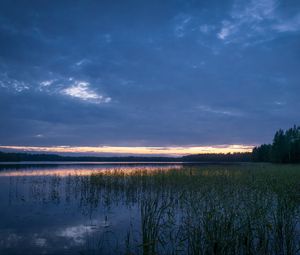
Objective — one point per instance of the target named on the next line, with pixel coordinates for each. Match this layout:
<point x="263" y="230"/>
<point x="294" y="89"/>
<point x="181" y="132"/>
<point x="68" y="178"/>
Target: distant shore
<point x="28" y="157"/>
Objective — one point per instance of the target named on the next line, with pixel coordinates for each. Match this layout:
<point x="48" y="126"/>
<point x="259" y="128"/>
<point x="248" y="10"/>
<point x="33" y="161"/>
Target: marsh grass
<point x="218" y="209"/>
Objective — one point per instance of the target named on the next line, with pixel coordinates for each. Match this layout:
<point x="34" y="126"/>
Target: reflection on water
<point x="85" y="170"/>
<point x="144" y="209"/>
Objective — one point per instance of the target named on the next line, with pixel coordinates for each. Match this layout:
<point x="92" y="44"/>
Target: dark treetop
<point x="284" y="149"/>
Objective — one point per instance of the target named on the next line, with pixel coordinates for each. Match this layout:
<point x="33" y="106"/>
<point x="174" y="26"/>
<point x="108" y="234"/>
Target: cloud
<point x="82" y="62"/>
<point x="157" y="66"/>
<point x="81" y="90"/>
<point x="209" y="109"/>
<point x="257" y="21"/>
<point x="42" y="242"/>
<point x="254" y="10"/>
<point x="46" y="83"/>
<point x="205" y="28"/>
<point x="226" y="30"/>
<point x="291" y="25"/>
<point x="12" y="84"/>
<point x="181" y="26"/>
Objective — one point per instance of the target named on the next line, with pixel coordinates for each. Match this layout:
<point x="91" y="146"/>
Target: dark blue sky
<point x="148" y="73"/>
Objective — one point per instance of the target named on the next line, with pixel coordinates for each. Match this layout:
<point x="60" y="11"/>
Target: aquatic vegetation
<point x="207" y="209"/>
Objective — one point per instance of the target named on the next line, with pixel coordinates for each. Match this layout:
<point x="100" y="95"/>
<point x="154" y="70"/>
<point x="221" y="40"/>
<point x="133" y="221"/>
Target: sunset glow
<point x="104" y="171"/>
<point x="171" y="151"/>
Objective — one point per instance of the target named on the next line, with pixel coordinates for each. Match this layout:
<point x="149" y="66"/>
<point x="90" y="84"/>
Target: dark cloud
<point x="155" y="73"/>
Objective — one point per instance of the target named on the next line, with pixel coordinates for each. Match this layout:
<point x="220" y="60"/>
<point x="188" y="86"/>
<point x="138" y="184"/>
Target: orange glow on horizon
<point x="118" y="150"/>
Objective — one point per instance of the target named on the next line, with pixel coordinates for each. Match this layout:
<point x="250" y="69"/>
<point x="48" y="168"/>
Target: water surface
<point x="147" y="209"/>
<point x="52" y="208"/>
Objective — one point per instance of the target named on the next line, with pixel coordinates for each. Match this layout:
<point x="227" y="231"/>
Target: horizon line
<point x="135" y="150"/>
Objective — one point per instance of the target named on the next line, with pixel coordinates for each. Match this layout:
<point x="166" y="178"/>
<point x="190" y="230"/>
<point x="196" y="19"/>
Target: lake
<point x="150" y="208"/>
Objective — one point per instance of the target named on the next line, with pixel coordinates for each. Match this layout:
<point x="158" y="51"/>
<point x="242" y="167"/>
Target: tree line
<point x="218" y="157"/>
<point x="285" y="148"/>
<point x="212" y="157"/>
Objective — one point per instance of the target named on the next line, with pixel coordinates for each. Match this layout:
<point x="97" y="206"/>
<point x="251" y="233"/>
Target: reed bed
<point x="217" y="209"/>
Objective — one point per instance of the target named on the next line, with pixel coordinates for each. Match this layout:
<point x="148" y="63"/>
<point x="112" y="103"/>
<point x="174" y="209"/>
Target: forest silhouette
<point x="285" y="148"/>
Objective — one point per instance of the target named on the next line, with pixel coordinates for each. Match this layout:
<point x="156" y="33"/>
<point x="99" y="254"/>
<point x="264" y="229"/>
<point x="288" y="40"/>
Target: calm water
<point x="57" y="209"/>
<point x="139" y="209"/>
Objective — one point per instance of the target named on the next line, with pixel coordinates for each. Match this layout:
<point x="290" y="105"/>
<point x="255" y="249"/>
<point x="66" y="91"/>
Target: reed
<point x="220" y="209"/>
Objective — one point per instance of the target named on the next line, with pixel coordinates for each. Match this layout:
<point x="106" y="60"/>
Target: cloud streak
<point x="254" y="20"/>
<point x="81" y="90"/>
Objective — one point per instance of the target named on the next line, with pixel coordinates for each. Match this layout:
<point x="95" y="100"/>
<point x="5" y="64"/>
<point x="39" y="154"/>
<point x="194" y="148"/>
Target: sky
<point x="147" y="74"/>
